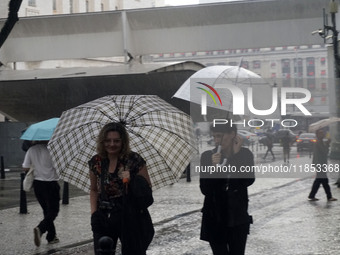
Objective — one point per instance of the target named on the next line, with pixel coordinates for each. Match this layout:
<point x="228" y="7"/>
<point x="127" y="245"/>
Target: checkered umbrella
<point x="159" y="132"/>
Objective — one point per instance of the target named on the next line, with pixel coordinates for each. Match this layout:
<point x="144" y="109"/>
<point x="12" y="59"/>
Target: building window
<point x="323" y="72"/>
<point x="298" y="68"/>
<point x="323" y="86"/>
<point x="272" y="64"/>
<point x="298" y="82"/>
<point x="323" y="61"/>
<point x="311" y="84"/>
<point x="256" y="64"/>
<point x="245" y="64"/>
<point x="310" y="67"/>
<point x="32" y="3"/>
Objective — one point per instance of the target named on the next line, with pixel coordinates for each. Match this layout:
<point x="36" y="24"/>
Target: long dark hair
<point x="117" y="127"/>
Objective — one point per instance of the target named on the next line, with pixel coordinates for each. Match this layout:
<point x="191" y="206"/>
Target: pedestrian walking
<point x="286" y="142"/>
<point x="320" y="160"/>
<point x="269" y="143"/>
<point x="120" y="193"/>
<point x="46" y="189"/>
<point x="225" y="219"/>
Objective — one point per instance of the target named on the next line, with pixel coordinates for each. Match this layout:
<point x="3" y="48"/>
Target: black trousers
<point x="316" y="184"/>
<point x="48" y="196"/>
<point x="269" y="149"/>
<point x="102" y="225"/>
<point x="235" y="241"/>
<point x="112" y="226"/>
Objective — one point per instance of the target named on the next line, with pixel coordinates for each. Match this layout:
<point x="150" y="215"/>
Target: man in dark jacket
<point x="225" y="220"/>
<point x="320" y="161"/>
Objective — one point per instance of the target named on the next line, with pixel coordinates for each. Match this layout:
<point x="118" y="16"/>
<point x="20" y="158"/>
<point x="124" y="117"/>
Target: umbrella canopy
<point x="159" y="132"/>
<point x="208" y="78"/>
<point x="322" y="123"/>
<point x="41" y="131"/>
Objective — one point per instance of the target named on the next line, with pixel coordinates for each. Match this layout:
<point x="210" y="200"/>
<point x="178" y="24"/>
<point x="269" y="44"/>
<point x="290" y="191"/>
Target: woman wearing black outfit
<point x="225" y="221"/>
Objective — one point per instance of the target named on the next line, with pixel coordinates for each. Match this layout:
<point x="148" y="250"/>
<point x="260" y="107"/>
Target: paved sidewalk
<point x="73" y="222"/>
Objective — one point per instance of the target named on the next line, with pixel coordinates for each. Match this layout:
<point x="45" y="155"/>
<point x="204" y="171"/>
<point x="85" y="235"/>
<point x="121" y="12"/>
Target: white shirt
<point x="39" y="157"/>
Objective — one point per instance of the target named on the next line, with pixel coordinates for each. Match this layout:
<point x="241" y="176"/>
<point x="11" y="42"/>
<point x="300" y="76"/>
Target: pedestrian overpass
<point x="40" y="94"/>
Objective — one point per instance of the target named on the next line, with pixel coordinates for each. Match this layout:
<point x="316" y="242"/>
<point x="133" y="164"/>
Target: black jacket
<point x="226" y="199"/>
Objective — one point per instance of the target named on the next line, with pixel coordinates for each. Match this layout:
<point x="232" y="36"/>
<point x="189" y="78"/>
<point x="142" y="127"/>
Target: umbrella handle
<point x="219" y="148"/>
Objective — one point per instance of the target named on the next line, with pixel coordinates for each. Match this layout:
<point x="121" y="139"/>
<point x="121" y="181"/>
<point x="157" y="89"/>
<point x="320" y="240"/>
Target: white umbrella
<point x="322" y="123"/>
<point x="211" y="78"/>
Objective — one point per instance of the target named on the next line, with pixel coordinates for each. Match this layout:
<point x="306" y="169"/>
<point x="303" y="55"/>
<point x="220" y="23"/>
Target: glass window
<point x="310" y="62"/>
<point x="323" y="60"/>
<point x="256" y="64"/>
<point x="32" y="3"/>
<point x="245" y="64"/>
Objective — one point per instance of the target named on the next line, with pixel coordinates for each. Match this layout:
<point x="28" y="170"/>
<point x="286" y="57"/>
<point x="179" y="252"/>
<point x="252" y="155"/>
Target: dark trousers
<point x="112" y="226"/>
<point x="102" y="225"/>
<point x="48" y="196"/>
<point x="269" y="149"/>
<point x="235" y="241"/>
<point x="316" y="184"/>
<point x="286" y="152"/>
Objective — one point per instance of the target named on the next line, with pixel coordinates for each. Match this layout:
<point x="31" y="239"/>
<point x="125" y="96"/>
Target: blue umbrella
<point x="41" y="131"/>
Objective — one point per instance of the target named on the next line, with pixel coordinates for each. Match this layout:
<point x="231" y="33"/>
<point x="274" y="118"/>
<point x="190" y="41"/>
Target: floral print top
<point x="113" y="185"/>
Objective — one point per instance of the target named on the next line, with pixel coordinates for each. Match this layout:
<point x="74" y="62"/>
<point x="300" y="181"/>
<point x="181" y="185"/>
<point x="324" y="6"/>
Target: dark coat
<point x="138" y="230"/>
<point x="226" y="199"/>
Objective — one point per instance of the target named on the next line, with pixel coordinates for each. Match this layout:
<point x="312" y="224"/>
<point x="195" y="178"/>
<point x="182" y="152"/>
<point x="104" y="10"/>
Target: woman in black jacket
<point x="225" y="221"/>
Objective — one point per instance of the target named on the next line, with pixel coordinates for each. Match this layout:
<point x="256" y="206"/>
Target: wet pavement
<point x="285" y="222"/>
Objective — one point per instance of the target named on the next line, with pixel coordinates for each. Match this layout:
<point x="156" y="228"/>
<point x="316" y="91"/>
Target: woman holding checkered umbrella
<point x="116" y="209"/>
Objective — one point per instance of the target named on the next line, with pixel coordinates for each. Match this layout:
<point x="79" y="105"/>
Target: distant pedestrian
<point x="46" y="189"/>
<point x="320" y="160"/>
<point x="269" y="142"/>
<point x="286" y="142"/>
<point x="225" y="219"/>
